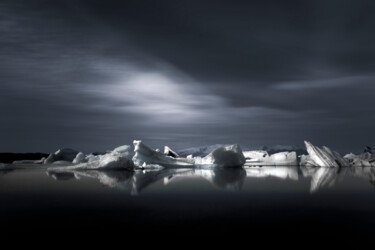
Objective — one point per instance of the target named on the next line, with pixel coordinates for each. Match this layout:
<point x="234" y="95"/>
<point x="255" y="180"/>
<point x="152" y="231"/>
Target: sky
<point x="93" y="75"/>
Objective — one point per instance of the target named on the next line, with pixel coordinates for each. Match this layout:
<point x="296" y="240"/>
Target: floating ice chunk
<point x="125" y="151"/>
<point x="65" y="154"/>
<point x="80" y="157"/>
<point x="118" y="158"/>
<point x="324" y="157"/>
<point x="200" y="151"/>
<point x="261" y="157"/>
<point x="282" y="158"/>
<point x="230" y="156"/>
<point x="91" y="158"/>
<point x="363" y="160"/>
<point x="350" y="156"/>
<point x="168" y="151"/>
<point x="255" y="155"/>
<point x="107" y="161"/>
<point x="284" y="148"/>
<point x="145" y="155"/>
<point x="304" y="160"/>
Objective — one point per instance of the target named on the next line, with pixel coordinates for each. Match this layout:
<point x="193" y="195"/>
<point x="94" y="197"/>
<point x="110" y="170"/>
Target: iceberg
<point x="255" y="155"/>
<point x="80" y="157"/>
<point x="125" y="151"/>
<point x="91" y="158"/>
<point x="146" y="156"/>
<point x="363" y="160"/>
<point x="260" y="157"/>
<point x="229" y="156"/>
<point x="200" y="151"/>
<point x="283" y="158"/>
<point x="107" y="161"/>
<point x="305" y="161"/>
<point x="168" y="151"/>
<point x="324" y="157"/>
<point x="65" y="154"/>
<point x="283" y="148"/>
<point x="350" y="156"/>
<point x="118" y="158"/>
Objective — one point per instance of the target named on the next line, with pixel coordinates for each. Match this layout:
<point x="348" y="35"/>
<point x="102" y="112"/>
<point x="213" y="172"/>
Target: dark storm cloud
<point x="95" y="74"/>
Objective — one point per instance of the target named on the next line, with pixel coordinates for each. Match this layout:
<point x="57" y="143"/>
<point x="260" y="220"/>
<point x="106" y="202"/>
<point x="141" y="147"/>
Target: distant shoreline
<point x="11" y="157"/>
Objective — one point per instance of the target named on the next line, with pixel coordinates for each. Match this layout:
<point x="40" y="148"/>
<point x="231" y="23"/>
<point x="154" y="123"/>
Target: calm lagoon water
<point x="283" y="203"/>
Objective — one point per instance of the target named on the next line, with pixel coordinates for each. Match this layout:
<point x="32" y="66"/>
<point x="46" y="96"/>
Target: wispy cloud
<point x="325" y="83"/>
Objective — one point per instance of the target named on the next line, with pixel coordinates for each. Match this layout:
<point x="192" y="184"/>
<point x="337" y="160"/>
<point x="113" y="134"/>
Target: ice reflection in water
<point x="224" y="178"/>
<point x="321" y="177"/>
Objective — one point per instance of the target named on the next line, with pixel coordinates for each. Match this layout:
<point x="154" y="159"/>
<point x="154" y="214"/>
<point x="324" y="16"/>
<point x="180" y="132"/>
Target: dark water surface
<point x="275" y="204"/>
